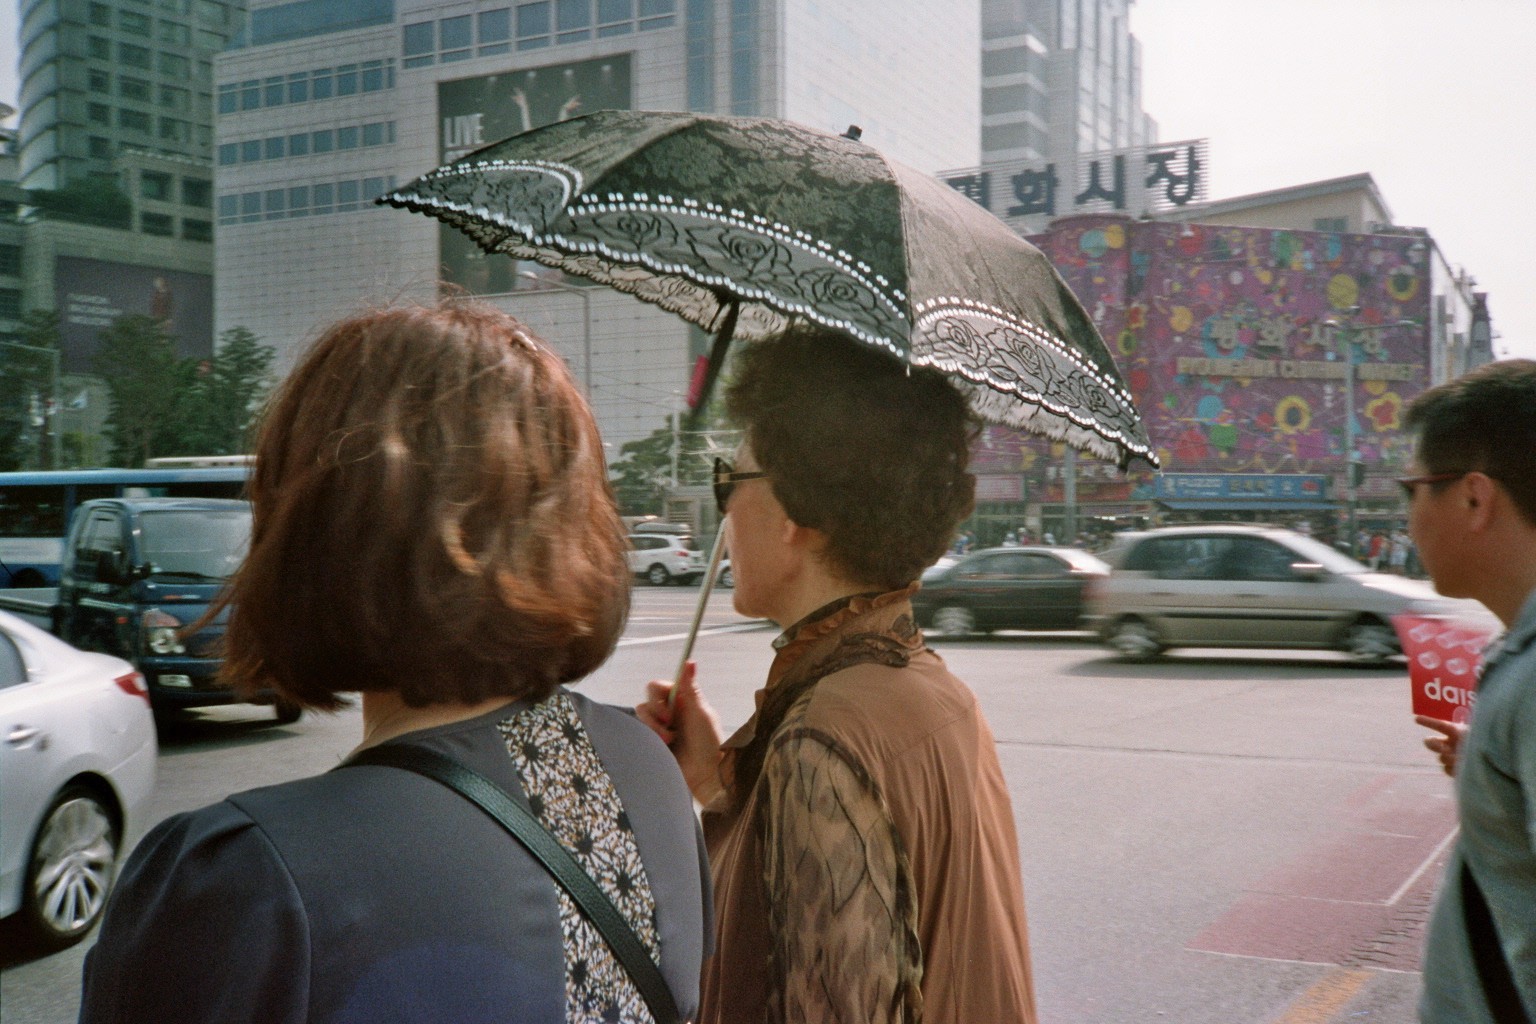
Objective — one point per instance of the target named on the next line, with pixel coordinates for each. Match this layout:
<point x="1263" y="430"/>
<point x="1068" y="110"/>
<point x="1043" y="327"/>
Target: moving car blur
<point x="1007" y="588"/>
<point x="1232" y="585"/>
<point x="77" y="764"/>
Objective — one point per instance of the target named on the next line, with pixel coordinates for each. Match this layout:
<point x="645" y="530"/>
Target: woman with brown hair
<point x="859" y="826"/>
<point x="432" y="529"/>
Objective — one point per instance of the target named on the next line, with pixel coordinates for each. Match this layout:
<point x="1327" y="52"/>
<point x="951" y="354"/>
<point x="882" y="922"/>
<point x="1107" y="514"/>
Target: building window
<point x="276" y="204"/>
<point x="197" y="192"/>
<point x="495" y="31"/>
<point x="573" y="20"/>
<point x="346" y="80"/>
<point x="155" y="185"/>
<point x="135" y="56"/>
<point x="229" y="153"/>
<point x="533" y="25"/>
<point x="324" y="140"/>
<point x="175" y="34"/>
<point x="99" y="82"/>
<point x="374" y="78"/>
<point x="324" y="197"/>
<point x="455" y="37"/>
<point x="298" y="201"/>
<point x="347" y="193"/>
<point x="98" y="113"/>
<point x="175" y="65"/>
<point x="229" y="99"/>
<point x="101" y="15"/>
<point x="373" y="134"/>
<point x="273" y="148"/>
<point x="298" y="88"/>
<point x="273" y="91"/>
<point x="250" y="207"/>
<point x="229" y="209"/>
<point x="157" y="224"/>
<point x="10" y="303"/>
<point x="418" y="44"/>
<point x="346" y="138"/>
<point x="133" y="120"/>
<point x="372" y="189"/>
<point x="175" y="99"/>
<point x="322" y="83"/>
<point x="99" y="48"/>
<point x="174" y="130"/>
<point x="133" y="23"/>
<point x="250" y="95"/>
<point x="1335" y="224"/>
<point x="100" y="148"/>
<point x="10" y="260"/>
<point x="197" y="230"/>
<point x="133" y="88"/>
<point x="250" y="151"/>
<point x="298" y="145"/>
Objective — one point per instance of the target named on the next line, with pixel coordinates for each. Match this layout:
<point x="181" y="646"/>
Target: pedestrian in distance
<point x="433" y="528"/>
<point x="1472" y="515"/>
<point x="859" y="827"/>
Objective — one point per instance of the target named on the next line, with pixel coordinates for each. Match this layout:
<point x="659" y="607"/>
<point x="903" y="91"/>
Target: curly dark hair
<point x="871" y="452"/>
<point x="432" y="516"/>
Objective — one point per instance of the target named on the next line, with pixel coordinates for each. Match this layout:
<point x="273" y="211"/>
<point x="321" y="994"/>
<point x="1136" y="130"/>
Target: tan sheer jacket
<point x="872" y="873"/>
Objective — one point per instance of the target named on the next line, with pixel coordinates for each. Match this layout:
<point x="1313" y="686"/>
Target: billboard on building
<point x="475" y="112"/>
<point x="90" y="294"/>
<point x="1233" y="340"/>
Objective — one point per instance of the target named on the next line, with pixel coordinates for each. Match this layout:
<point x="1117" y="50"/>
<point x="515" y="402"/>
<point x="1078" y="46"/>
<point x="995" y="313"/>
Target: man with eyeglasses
<point x="1472" y="515"/>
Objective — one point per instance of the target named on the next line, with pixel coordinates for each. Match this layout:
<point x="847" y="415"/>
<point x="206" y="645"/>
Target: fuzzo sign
<point x="1141" y="180"/>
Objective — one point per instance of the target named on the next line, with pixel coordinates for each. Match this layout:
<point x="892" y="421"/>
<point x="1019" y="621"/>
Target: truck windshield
<point x="195" y="543"/>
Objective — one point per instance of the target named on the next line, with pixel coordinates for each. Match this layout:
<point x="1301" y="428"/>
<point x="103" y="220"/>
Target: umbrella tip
<point x="853" y="132"/>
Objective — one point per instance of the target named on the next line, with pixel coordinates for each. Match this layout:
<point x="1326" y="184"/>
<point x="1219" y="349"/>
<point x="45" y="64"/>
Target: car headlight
<point x="161" y="632"/>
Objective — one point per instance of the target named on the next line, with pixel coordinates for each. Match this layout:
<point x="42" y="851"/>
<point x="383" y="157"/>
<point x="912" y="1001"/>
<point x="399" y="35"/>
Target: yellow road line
<point x="1329" y="995"/>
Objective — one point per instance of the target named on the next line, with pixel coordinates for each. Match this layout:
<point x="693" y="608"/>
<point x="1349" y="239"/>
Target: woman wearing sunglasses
<point x="859" y="828"/>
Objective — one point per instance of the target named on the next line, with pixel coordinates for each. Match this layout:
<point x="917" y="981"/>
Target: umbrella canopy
<point x="742" y="224"/>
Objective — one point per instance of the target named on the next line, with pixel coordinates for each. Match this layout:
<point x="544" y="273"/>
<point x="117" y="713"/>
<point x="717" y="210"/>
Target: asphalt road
<point x="1208" y="839"/>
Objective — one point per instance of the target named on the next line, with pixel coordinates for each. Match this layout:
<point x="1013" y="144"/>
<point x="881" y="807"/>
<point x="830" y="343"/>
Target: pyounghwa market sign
<point x="1146" y="179"/>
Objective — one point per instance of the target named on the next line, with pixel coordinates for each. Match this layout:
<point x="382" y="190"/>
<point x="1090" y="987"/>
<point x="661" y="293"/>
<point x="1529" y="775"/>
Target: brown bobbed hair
<point x="432" y="516"/>
<point x="855" y="444"/>
<point x="1484" y="421"/>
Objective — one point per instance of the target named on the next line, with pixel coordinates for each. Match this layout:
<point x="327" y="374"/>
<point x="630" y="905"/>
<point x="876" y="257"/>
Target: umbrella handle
<point x="716" y="361"/>
<point x="715" y="554"/>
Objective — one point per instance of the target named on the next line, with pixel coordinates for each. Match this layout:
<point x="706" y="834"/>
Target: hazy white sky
<point x="1435" y="98"/>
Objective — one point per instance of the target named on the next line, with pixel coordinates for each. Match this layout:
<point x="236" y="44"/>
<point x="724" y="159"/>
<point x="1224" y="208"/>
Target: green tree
<point x="149" y="389"/>
<point x="227" y="393"/>
<point x="26" y="392"/>
<point x="642" y="474"/>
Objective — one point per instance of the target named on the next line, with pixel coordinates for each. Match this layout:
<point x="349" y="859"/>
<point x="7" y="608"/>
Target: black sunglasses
<point x="1410" y="484"/>
<point x="726" y="479"/>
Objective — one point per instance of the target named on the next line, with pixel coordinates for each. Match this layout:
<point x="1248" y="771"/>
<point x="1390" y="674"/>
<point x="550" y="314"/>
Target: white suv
<point x="661" y="558"/>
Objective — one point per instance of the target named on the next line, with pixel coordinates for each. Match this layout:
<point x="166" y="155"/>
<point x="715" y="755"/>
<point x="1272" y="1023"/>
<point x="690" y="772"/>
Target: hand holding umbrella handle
<point x="715" y="554"/>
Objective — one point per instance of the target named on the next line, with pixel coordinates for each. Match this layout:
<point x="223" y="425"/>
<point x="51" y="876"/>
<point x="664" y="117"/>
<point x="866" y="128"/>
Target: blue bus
<point x="35" y="507"/>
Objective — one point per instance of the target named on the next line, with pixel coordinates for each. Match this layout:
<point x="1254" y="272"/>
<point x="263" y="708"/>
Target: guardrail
<point x="29" y="600"/>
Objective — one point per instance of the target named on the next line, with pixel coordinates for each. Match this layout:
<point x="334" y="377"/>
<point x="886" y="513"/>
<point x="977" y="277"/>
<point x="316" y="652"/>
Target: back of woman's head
<point x="431" y="516"/>
<point x="869" y="451"/>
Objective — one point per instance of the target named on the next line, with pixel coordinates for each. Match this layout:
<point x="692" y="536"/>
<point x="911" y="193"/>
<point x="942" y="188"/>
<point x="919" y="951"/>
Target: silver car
<point x="1227" y="585"/>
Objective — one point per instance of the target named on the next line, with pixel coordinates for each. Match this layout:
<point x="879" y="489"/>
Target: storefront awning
<point x="1240" y="505"/>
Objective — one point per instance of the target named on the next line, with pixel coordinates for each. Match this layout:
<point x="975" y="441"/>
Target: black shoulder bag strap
<point x="516" y="819"/>
<point x="1488" y="953"/>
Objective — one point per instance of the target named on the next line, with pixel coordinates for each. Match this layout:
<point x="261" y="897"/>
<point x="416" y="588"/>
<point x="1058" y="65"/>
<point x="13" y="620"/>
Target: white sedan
<point x="77" y="764"/>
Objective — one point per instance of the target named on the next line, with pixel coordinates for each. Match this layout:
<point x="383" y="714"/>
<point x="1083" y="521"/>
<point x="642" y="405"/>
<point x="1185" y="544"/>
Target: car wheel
<point x="1369" y="642"/>
<point x="727" y="579"/>
<point x="953" y="620"/>
<point x="1134" y="640"/>
<point x="69" y="870"/>
<point x="658" y="576"/>
<point x="287" y="712"/>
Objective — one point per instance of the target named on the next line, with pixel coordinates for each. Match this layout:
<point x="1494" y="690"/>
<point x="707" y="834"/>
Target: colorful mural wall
<point x="1232" y="341"/>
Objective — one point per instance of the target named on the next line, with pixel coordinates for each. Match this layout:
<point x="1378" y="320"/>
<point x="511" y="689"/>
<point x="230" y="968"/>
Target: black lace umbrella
<point x="742" y="224"/>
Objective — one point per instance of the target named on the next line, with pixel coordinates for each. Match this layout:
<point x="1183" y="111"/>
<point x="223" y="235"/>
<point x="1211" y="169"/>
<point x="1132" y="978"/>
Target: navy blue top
<point x="376" y="895"/>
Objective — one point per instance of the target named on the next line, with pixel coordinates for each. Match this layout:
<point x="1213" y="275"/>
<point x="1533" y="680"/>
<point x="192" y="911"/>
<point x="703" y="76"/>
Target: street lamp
<point x="51" y="453"/>
<point x="586" y="321"/>
<point x="1346" y="335"/>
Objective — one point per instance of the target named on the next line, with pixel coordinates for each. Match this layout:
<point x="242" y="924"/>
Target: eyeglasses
<point x="1410" y="484"/>
<point x="726" y="479"/>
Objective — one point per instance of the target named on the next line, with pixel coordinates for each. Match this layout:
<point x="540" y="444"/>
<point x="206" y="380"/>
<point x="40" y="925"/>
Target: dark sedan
<point x="1007" y="588"/>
